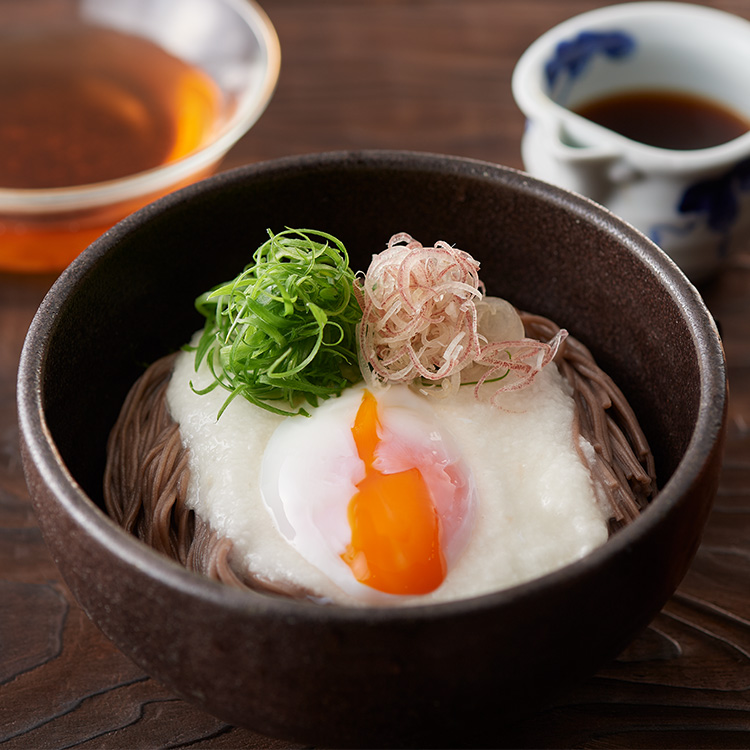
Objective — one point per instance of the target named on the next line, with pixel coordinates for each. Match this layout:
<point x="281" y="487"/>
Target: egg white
<point x="536" y="507"/>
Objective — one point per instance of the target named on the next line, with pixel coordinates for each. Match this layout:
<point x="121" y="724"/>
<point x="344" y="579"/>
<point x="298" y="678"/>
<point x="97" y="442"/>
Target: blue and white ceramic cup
<point x="695" y="204"/>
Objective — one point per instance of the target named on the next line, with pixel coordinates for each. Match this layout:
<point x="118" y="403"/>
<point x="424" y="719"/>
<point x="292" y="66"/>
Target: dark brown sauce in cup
<point x="667" y="119"/>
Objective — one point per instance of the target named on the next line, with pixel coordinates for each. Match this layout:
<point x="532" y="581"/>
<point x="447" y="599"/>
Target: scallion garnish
<point x="284" y="331"/>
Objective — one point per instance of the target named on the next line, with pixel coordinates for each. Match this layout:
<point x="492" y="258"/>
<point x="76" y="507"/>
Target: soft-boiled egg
<point x="372" y="490"/>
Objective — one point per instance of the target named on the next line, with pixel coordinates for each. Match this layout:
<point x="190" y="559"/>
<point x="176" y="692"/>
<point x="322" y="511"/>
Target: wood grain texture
<point x="430" y="75"/>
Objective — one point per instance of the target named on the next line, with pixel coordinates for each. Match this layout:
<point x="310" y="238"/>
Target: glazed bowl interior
<point x="440" y="674"/>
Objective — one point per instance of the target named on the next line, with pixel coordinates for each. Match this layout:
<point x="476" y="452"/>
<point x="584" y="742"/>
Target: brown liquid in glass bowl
<point x="82" y="105"/>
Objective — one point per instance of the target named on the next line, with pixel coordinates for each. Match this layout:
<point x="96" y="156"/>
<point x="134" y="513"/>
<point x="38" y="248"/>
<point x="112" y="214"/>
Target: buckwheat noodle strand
<point x="147" y="472"/>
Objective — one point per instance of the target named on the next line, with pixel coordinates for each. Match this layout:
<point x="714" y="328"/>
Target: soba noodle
<point x="147" y="472"/>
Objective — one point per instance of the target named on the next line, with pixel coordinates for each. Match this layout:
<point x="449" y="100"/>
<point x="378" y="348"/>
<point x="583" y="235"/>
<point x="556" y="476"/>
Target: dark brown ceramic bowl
<point x="441" y="674"/>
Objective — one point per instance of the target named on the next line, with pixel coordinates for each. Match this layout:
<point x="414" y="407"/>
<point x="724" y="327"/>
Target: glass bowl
<point x="101" y="74"/>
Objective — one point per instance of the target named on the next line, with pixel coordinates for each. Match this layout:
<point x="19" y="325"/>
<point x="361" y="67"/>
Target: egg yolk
<point x="395" y="545"/>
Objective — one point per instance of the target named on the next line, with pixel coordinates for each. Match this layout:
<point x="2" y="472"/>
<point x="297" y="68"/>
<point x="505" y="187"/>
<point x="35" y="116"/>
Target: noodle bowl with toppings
<point x="279" y="662"/>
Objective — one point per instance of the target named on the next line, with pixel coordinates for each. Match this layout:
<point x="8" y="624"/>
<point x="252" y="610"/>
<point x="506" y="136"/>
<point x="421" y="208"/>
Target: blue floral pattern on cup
<point x="717" y="199"/>
<point x="572" y="56"/>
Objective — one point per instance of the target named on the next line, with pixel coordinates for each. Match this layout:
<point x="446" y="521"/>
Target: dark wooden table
<point x="429" y="75"/>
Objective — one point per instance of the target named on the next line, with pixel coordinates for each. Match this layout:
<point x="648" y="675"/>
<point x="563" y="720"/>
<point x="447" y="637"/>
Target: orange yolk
<point x="396" y="528"/>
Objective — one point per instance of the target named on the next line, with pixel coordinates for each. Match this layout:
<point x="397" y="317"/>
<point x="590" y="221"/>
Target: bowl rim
<point x="42" y="453"/>
<point x="36" y="201"/>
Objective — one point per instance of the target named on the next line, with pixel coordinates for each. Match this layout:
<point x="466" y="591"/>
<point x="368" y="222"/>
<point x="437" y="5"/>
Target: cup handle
<point x="593" y="170"/>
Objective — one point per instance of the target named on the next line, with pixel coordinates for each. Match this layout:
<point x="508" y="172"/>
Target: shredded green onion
<point x="283" y="331"/>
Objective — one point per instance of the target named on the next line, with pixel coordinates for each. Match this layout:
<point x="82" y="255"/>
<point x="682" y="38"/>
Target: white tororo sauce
<point x="537" y="507"/>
